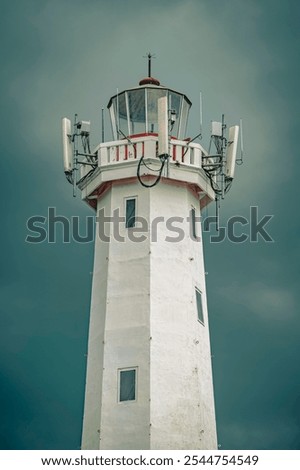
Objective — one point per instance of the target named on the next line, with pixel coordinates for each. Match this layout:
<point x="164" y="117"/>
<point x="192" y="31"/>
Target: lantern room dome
<point x="134" y="111"/>
<point x="149" y="81"/>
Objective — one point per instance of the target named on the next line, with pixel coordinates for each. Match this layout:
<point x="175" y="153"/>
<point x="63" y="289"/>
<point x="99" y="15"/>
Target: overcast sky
<point x="60" y="57"/>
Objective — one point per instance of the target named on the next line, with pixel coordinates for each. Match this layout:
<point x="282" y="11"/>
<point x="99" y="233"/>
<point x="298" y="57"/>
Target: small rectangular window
<point x="199" y="306"/>
<point x="127" y="385"/>
<point x="130" y="212"/>
<point x="193" y="217"/>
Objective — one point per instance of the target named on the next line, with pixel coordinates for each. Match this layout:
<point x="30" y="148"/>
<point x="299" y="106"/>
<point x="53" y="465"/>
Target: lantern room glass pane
<point x="175" y="104"/>
<point x="119" y="104"/>
<point x="123" y="122"/>
<point x="152" y="97"/>
<point x="137" y="114"/>
<point x="183" y="120"/>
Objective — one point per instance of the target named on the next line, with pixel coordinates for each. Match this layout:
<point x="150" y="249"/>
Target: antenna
<point x="67" y="145"/>
<point x="118" y="116"/>
<point x="102" y="119"/>
<point x="231" y="151"/>
<point x="163" y="143"/>
<point x="163" y="133"/>
<point x="240" y="160"/>
<point x="201" y="115"/>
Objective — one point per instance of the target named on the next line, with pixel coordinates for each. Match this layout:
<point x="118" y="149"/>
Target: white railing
<point x="122" y="151"/>
<point x="147" y="146"/>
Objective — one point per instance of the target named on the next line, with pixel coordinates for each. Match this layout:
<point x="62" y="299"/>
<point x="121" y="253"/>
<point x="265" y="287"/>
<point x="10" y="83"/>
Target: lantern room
<point x="134" y="111"/>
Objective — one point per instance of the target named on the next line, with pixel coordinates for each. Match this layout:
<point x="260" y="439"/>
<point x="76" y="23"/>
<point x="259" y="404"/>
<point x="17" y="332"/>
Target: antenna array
<point x="72" y="142"/>
<point x="219" y="166"/>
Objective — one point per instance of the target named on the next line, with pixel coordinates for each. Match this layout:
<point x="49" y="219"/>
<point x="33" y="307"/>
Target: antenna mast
<point x="201" y="115"/>
<point x="149" y="56"/>
<point x="102" y="122"/>
<point x="240" y="160"/>
<point x="75" y="155"/>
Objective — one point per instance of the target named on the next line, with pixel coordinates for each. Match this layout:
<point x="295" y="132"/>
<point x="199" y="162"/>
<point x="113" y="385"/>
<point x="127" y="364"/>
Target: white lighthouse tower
<point x="149" y="377"/>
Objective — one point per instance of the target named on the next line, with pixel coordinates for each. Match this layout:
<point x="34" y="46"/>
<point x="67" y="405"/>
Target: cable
<point x="190" y="141"/>
<point x="149" y="167"/>
<point x="86" y="176"/>
<point x="163" y="158"/>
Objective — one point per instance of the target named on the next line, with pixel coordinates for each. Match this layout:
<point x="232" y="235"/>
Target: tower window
<point x="127" y="385"/>
<point x="130" y="212"/>
<point x="199" y="306"/>
<point x="193" y="217"/>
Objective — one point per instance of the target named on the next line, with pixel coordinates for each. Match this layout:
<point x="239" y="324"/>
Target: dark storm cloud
<point x="63" y="57"/>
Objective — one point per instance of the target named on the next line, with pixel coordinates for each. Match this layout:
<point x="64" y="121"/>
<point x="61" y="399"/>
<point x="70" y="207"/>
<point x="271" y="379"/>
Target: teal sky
<point x="60" y="57"/>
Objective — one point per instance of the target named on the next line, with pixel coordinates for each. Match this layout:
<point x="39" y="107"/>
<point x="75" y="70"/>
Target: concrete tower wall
<point x="182" y="403"/>
<point x="144" y="316"/>
<point x="126" y="425"/>
<point x="93" y="390"/>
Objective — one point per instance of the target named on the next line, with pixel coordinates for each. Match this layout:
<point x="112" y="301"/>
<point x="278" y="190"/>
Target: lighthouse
<point x="149" y="381"/>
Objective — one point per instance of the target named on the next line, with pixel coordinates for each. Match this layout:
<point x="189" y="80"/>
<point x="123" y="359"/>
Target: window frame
<point x="130" y="198"/>
<point x="198" y="293"/>
<point x="127" y="369"/>
<point x="193" y="221"/>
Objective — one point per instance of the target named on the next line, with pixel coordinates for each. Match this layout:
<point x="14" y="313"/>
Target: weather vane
<point x="149" y="56"/>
